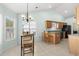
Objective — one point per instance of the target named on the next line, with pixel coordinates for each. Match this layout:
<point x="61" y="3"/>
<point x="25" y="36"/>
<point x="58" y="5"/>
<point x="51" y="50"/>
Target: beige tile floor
<point x="43" y="49"/>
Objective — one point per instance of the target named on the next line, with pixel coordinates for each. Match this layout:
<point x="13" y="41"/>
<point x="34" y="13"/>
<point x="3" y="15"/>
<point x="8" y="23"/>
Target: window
<point x="30" y="27"/>
<point x="10" y="28"/>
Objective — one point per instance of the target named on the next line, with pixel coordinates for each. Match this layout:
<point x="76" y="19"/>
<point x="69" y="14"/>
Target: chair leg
<point x="21" y="51"/>
<point x="33" y="52"/>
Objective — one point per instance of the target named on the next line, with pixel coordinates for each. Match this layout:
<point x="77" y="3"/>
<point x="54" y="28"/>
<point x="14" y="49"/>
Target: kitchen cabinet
<point x="60" y="25"/>
<point x="54" y="24"/>
<point x="48" y="24"/>
<point x="52" y="37"/>
<point x="57" y="37"/>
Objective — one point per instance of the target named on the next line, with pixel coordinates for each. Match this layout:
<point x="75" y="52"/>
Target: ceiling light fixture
<point x="65" y="11"/>
<point x="36" y="7"/>
<point x="50" y="6"/>
<point x="27" y="14"/>
<point x="26" y="17"/>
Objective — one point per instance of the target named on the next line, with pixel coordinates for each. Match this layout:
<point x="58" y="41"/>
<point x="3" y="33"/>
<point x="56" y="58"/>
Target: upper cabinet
<point x="60" y="25"/>
<point x="54" y="24"/>
<point x="48" y="24"/>
<point x="77" y="15"/>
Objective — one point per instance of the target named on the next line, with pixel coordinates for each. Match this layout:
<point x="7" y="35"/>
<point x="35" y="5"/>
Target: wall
<point x="1" y="31"/>
<point x="40" y="17"/>
<point x="71" y="21"/>
<point x="8" y="13"/>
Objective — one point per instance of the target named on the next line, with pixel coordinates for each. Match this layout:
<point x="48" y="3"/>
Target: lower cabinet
<point x="57" y="37"/>
<point x="52" y="37"/>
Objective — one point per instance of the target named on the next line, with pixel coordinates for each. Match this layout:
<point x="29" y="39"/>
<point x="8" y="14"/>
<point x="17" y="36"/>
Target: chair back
<point x="27" y="39"/>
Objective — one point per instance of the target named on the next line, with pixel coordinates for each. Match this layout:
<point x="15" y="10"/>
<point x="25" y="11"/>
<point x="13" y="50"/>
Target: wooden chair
<point x="27" y="44"/>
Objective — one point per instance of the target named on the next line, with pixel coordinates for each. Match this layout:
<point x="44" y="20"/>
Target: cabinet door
<point x="48" y="24"/>
<point x="57" y="37"/>
<point x="77" y="15"/>
<point x="60" y="25"/>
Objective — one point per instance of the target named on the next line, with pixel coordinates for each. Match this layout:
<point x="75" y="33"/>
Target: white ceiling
<point x="65" y="9"/>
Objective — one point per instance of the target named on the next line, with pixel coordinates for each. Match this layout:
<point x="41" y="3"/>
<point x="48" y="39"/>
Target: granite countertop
<point x="74" y="35"/>
<point x="55" y="31"/>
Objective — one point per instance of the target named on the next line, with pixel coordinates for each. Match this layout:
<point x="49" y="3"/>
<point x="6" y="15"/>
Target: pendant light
<point x="26" y="20"/>
<point x="27" y="14"/>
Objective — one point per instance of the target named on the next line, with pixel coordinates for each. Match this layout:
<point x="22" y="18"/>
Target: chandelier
<point x="26" y="19"/>
<point x="26" y="16"/>
<point x="28" y="23"/>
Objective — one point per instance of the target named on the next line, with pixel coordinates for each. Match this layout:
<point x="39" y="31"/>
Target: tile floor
<point x="43" y="49"/>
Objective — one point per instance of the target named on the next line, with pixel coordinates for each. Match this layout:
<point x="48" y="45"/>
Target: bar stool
<point x="27" y="44"/>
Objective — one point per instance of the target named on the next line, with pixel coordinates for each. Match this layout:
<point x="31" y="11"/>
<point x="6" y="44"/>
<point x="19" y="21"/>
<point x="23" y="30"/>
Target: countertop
<point x="55" y="31"/>
<point x="74" y="35"/>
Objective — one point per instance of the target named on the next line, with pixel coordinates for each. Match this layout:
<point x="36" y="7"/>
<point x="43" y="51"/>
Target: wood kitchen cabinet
<point x="48" y="24"/>
<point x="57" y="37"/>
<point x="52" y="37"/>
<point x="60" y="25"/>
<point x="51" y="24"/>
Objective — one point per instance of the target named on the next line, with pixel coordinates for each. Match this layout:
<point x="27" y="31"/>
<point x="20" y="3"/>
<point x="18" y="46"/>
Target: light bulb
<point x="23" y="16"/>
<point x="65" y="11"/>
<point x="50" y="6"/>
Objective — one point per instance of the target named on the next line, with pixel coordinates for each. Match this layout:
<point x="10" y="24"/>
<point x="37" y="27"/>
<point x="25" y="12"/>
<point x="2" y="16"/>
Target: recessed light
<point x="36" y="7"/>
<point x="50" y="6"/>
<point x="65" y="11"/>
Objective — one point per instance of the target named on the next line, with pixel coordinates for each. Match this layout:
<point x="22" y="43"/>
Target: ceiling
<point x="65" y="9"/>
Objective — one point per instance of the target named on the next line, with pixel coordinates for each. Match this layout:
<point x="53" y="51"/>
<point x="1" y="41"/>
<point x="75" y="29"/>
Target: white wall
<point x="5" y="12"/>
<point x="71" y="21"/>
